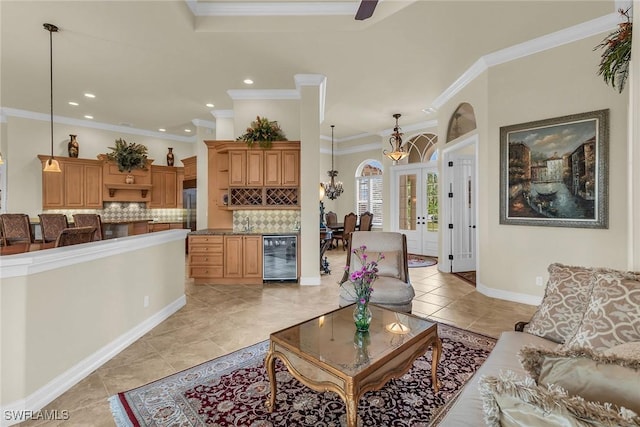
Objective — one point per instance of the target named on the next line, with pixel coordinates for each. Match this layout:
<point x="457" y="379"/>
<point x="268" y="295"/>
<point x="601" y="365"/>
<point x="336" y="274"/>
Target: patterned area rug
<point x="467" y="276"/>
<point x="420" y="261"/>
<point x="232" y="390"/>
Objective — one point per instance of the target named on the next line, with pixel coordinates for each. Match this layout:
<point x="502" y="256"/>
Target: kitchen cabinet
<point x="229" y="258"/>
<point x="272" y="167"/>
<point x="162" y="226"/>
<point x="190" y="167"/>
<point x="164" y="192"/>
<point x="245" y="168"/>
<point x="77" y="186"/>
<point x="206" y="257"/>
<point x="290" y="168"/>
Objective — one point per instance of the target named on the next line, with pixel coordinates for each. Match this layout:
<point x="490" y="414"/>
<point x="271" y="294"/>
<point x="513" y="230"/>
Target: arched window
<point x="422" y="148"/>
<point x="462" y="121"/>
<point x="369" y="190"/>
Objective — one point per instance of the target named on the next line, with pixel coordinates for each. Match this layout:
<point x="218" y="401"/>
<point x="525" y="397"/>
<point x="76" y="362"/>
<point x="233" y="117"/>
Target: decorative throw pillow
<point x="628" y="350"/>
<point x="511" y="402"/>
<point x="388" y="266"/>
<point x="613" y="314"/>
<point x="565" y="300"/>
<point x="585" y="373"/>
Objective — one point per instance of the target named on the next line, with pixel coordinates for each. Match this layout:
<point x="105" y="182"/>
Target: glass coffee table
<point x="327" y="354"/>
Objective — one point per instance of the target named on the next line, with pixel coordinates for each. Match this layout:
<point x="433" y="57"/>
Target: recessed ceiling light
<point x="89" y="95"/>
<point x="87" y="116"/>
<point x="210" y="105"/>
<point x="162" y="130"/>
<point x="75" y="104"/>
<point x="187" y="130"/>
<point x="248" y="81"/>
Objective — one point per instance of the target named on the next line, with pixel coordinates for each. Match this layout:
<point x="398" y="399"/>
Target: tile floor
<point x="219" y="319"/>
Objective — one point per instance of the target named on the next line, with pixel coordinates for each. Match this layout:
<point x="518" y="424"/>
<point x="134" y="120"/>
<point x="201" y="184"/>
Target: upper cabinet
<point x="190" y="168"/>
<point x="77" y="186"/>
<point x="246" y="168"/>
<point x="164" y="187"/>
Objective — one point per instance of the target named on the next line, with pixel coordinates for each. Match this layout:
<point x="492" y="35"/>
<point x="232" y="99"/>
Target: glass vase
<point x="362" y="316"/>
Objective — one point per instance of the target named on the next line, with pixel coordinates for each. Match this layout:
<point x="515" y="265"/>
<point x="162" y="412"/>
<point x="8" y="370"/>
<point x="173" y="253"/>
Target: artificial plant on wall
<point x="614" y="62"/>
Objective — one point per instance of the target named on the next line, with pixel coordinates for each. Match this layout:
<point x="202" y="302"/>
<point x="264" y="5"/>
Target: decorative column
<point x="312" y="92"/>
<point x="633" y="261"/>
<point x="205" y="130"/>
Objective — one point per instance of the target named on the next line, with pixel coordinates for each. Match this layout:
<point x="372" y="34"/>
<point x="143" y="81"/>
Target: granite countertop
<point x="222" y="231"/>
<point x="123" y="221"/>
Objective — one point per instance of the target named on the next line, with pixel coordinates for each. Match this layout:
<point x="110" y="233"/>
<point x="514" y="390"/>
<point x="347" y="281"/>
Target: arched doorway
<point x="414" y="196"/>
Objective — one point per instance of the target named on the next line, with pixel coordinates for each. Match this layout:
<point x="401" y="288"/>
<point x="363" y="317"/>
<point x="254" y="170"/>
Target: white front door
<point x="415" y="199"/>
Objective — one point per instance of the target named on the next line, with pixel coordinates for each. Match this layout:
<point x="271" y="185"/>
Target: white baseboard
<point x="508" y="295"/>
<point x="16" y="412"/>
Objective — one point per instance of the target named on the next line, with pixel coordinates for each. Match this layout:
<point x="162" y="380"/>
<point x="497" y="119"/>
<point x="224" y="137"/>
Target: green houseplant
<point x="614" y="61"/>
<point x="262" y="131"/>
<point x="128" y="156"/>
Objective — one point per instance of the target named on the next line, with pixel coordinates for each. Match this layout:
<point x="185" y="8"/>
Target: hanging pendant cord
<point x="51" y="83"/>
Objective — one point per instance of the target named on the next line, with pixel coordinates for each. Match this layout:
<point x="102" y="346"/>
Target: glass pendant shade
<point x="332" y="188"/>
<point x="398" y="151"/>
<point x="52" y="164"/>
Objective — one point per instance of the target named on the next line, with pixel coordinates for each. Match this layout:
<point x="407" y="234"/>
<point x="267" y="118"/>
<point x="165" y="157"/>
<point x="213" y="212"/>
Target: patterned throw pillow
<point x="613" y="314"/>
<point x="565" y="301"/>
<point x="585" y="373"/>
<point x="511" y="402"/>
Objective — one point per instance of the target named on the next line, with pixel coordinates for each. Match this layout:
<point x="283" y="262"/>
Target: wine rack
<point x="281" y="197"/>
<point x="245" y="197"/>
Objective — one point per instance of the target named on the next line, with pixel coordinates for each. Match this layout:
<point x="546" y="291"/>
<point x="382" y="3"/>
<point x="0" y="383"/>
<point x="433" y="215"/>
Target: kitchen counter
<point x="229" y="231"/>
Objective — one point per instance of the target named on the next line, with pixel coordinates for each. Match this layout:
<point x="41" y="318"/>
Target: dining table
<point x="20" y="248"/>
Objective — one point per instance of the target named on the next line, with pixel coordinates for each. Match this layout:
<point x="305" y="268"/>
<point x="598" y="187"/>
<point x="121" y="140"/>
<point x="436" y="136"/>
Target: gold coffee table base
<point x="318" y="364"/>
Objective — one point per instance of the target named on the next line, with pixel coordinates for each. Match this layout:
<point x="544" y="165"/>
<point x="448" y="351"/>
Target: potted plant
<point x="128" y="156"/>
<point x="264" y="132"/>
<point x="614" y="62"/>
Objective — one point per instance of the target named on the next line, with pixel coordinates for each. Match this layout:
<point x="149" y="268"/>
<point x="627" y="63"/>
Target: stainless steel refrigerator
<point x="189" y="204"/>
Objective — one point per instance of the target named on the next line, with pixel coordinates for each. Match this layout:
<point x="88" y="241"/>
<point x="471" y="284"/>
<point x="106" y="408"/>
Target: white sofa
<point x="576" y="363"/>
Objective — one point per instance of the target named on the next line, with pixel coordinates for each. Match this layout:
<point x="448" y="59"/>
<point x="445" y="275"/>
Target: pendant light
<point x="395" y="141"/>
<point x="52" y="164"/>
<point x="332" y="188"/>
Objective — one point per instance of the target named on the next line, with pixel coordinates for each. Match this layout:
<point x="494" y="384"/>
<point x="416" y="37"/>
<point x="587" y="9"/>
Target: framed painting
<point x="554" y="172"/>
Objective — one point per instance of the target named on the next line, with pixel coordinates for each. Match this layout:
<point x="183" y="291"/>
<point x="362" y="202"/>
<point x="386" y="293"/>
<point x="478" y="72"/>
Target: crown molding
<point x="263" y="94"/>
<point x="530" y="47"/>
<point x="3" y="117"/>
<point x="204" y="123"/>
<point x="223" y="114"/>
<point x="430" y="124"/>
<point x="14" y="112"/>
<point x="312" y="8"/>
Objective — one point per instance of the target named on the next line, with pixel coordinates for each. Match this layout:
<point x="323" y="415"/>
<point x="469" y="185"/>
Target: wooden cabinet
<point x="77" y="186"/>
<point x="272" y="167"/>
<point x="162" y="226"/>
<point x="206" y="257"/>
<point x="164" y="191"/>
<point x="245" y="168"/>
<point x="190" y="167"/>
<point x="290" y="167"/>
<point x="229" y="259"/>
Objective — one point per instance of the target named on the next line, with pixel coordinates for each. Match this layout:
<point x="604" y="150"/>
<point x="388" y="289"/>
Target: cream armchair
<point x="392" y="289"/>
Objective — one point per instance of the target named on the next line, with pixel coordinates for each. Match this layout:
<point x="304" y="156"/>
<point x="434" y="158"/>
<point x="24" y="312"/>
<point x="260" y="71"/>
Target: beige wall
<point x="554" y="83"/>
<point x="285" y="112"/>
<point x="26" y="138"/>
<point x="53" y="320"/>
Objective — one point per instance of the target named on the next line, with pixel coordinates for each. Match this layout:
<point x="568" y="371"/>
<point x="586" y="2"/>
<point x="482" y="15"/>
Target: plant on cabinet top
<point x="128" y="156"/>
<point x="264" y="132"/>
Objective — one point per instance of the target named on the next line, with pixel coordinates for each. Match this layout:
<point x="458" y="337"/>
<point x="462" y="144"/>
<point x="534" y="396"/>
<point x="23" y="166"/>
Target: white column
<point x="634" y="148"/>
<point x="312" y="88"/>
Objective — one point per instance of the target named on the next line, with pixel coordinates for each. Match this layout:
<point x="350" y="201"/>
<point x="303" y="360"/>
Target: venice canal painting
<point x="554" y="172"/>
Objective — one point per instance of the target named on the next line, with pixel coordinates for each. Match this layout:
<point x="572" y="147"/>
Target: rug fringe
<point x="119" y="412"/>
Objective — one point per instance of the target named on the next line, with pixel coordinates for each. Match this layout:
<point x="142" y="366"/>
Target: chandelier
<point x="52" y="164"/>
<point x="395" y="141"/>
<point x="332" y="188"/>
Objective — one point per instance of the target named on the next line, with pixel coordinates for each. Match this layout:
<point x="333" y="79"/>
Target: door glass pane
<point x="432" y="201"/>
<point x="407" y="194"/>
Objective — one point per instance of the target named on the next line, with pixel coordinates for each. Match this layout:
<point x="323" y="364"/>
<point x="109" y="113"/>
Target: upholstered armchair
<point x="392" y="289"/>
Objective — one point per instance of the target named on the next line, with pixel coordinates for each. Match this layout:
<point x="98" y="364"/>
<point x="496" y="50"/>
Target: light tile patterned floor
<point x="219" y="319"/>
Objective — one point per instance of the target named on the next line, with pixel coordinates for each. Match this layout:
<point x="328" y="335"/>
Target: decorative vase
<point x="73" y="147"/>
<point x="361" y="341"/>
<point x="129" y="179"/>
<point x="170" y="157"/>
<point x="362" y="316"/>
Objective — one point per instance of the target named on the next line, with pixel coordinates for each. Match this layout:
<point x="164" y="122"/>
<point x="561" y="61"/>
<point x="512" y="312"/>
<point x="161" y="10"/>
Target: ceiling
<point x="155" y="64"/>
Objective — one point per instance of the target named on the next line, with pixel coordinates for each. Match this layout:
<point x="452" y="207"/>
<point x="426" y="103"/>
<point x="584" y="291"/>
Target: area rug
<point x="467" y="276"/>
<point x="420" y="261"/>
<point x="232" y="390"/>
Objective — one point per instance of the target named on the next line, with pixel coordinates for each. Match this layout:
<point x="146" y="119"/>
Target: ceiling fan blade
<point x="365" y="10"/>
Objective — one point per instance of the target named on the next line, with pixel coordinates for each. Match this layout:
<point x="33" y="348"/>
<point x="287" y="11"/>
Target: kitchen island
<point x="225" y="256"/>
<point x="66" y="311"/>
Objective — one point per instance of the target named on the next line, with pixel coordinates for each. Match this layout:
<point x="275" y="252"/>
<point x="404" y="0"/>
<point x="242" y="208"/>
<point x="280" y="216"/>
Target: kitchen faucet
<point x="248" y="226"/>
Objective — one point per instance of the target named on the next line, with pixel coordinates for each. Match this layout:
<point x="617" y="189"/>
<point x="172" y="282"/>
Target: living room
<point x="553" y="78"/>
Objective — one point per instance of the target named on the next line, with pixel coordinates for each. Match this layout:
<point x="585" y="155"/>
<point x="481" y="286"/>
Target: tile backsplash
<point x="125" y="211"/>
<point x="271" y="221"/>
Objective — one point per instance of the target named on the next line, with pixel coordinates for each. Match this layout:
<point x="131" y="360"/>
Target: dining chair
<point x="75" y="235"/>
<point x="330" y="218"/>
<point x="331" y="221"/>
<point x="366" y="221"/>
<point x="350" y="221"/>
<point x="90" y="220"/>
<point x="51" y="225"/>
<point x="16" y="228"/>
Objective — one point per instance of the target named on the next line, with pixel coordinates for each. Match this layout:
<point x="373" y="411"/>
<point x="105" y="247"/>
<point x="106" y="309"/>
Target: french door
<point x="415" y="200"/>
